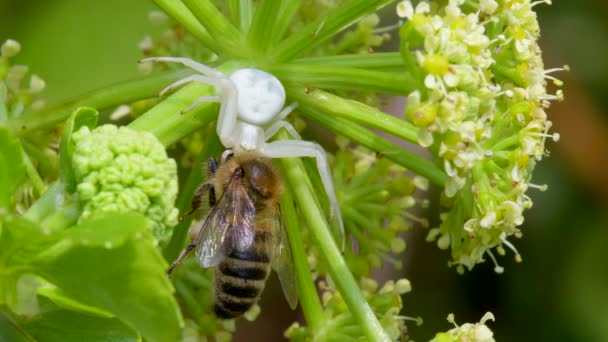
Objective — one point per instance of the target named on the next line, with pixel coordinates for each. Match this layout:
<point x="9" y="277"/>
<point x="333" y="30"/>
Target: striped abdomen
<point x="240" y="278"/>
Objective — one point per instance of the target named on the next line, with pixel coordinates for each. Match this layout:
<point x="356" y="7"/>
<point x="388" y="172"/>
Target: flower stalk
<point x="298" y="179"/>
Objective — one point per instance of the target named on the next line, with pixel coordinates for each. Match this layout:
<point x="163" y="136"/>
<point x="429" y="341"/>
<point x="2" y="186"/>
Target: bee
<point x="243" y="234"/>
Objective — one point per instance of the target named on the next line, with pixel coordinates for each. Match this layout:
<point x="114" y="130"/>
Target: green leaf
<point x="11" y="331"/>
<point x="83" y="116"/>
<point x="63" y="301"/>
<point x="111" y="263"/>
<point x="20" y="241"/>
<point x="67" y="326"/>
<point x="12" y="169"/>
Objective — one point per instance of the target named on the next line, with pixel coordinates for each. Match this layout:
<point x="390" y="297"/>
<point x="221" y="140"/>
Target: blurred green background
<point x="558" y="293"/>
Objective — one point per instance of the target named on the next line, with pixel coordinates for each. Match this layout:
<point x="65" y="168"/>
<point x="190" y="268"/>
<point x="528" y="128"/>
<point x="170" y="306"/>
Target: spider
<point x="251" y="112"/>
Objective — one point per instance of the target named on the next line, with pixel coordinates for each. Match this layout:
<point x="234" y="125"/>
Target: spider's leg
<point x="202" y="99"/>
<point x="227" y="118"/>
<point x="227" y="154"/>
<point x="202" y="68"/>
<point x="301" y="148"/>
<point x="283" y="114"/>
<point x="198" y="78"/>
<point x="276" y="126"/>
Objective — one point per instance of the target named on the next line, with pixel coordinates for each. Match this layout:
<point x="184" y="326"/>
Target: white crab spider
<point x="251" y="112"/>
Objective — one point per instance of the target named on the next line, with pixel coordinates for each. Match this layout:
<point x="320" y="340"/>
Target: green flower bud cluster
<point x="341" y="325"/>
<point x="119" y="169"/>
<point x="375" y="196"/>
<point x="468" y="332"/>
<point x="481" y="111"/>
<point x="19" y="91"/>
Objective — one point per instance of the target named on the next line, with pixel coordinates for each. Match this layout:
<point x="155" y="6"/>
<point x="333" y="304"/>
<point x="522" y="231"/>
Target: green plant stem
<point x="334" y="77"/>
<point x="282" y="21"/>
<point x="309" y="299"/>
<point x="325" y="27"/>
<point x="319" y="229"/>
<point x="241" y="12"/>
<point x="377" y="60"/>
<point x="3" y="111"/>
<point x="263" y="24"/>
<point x="229" y="39"/>
<point x="179" y="12"/>
<point x="32" y="173"/>
<point x="378" y="144"/>
<point x="332" y="105"/>
<point x="101" y="99"/>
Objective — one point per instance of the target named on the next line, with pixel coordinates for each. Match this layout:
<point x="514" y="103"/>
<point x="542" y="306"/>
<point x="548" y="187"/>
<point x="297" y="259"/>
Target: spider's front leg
<point x="301" y="148"/>
<point x="225" y="89"/>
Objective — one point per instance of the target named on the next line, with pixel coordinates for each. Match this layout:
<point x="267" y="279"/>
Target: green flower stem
<point x="229" y="39"/>
<point x="309" y="299"/>
<point x="281" y="22"/>
<point x="378" y="60"/>
<point x="178" y="11"/>
<point x="3" y="111"/>
<point x="325" y="27"/>
<point x="334" y="77"/>
<point x="336" y="106"/>
<point x="376" y="143"/>
<point x="189" y="298"/>
<point x="212" y="146"/>
<point x="263" y="24"/>
<point x="319" y="229"/>
<point x="101" y="99"/>
<point x="32" y="173"/>
<point x="41" y="156"/>
<point x="241" y="12"/>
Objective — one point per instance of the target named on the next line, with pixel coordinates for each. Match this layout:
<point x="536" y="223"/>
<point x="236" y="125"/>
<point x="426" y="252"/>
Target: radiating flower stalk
<point x="476" y="87"/>
<point x="20" y="92"/>
<point x="480" y="108"/>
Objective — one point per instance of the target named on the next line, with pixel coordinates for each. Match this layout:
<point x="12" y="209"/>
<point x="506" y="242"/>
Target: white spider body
<point x="251" y="112"/>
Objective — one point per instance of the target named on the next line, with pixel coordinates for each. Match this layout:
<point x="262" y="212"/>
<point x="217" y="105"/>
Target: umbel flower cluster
<point x="481" y="112"/>
<point x="468" y="332"/>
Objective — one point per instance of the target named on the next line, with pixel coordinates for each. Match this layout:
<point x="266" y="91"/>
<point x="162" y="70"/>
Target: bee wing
<point x="282" y="261"/>
<point x="228" y="226"/>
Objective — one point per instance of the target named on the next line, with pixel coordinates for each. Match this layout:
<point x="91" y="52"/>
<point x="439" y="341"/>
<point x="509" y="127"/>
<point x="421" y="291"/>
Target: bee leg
<point x="211" y="169"/>
<point x="181" y="257"/>
<point x="198" y="194"/>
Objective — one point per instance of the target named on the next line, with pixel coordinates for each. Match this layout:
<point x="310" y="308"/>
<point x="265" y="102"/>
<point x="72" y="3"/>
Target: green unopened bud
<point x="10" y="48"/>
<point x="252" y="313"/>
<point x="398" y="245"/>
<point x="37" y="84"/>
<point x="403" y="286"/>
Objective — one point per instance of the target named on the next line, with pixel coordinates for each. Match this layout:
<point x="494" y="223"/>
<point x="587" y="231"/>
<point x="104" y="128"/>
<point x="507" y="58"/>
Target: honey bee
<point x="242" y="235"/>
